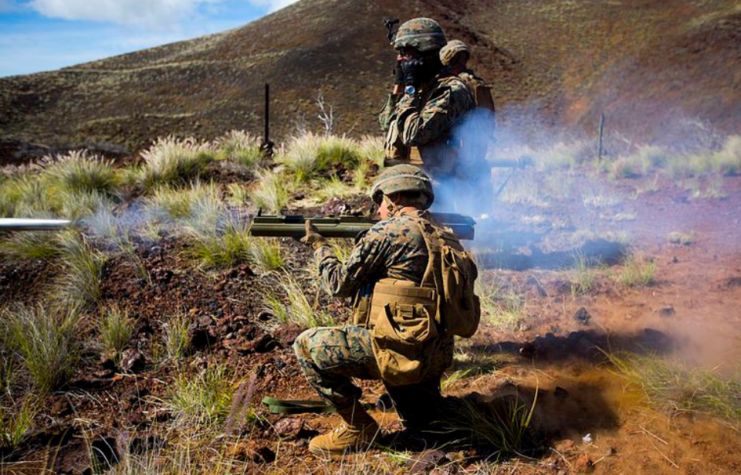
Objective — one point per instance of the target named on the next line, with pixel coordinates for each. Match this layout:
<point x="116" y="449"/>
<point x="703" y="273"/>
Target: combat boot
<point x="356" y="433"/>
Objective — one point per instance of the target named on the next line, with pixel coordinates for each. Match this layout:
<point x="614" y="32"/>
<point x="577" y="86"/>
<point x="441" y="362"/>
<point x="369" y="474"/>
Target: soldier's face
<point x="383" y="209"/>
<point x="405" y="54"/>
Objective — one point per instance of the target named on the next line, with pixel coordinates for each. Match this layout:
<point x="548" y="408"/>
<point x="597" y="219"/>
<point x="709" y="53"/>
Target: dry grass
<point x="77" y="172"/>
<point x="272" y="193"/>
<point x="46" y="341"/>
<point x="676" y="387"/>
<point x="173" y="162"/>
<point x="239" y="147"/>
<point x="82" y="266"/>
<point x="299" y="309"/>
<point x="116" y="328"/>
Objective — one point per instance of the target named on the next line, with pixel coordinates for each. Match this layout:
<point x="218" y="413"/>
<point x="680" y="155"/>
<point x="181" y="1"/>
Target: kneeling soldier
<point x="403" y="320"/>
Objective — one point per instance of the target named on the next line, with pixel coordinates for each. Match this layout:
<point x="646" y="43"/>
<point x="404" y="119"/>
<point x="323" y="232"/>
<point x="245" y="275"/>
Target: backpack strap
<point x="432" y="276"/>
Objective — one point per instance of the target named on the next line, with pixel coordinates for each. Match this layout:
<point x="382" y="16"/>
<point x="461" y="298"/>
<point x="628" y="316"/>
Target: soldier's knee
<point x="302" y="345"/>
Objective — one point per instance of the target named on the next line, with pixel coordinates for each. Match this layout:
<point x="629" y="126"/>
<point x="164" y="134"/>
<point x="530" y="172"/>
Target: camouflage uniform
<point x="418" y="125"/>
<point x="331" y="357"/>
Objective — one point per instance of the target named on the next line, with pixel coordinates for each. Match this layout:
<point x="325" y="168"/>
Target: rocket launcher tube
<point x="346" y="226"/>
<point x="20" y="224"/>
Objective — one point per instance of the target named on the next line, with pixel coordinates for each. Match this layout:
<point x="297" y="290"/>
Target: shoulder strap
<point x="432" y="241"/>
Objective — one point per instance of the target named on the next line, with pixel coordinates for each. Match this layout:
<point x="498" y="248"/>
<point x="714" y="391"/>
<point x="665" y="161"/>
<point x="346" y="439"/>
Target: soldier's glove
<point x="413" y="70"/>
<point x="312" y="237"/>
<point x="398" y="74"/>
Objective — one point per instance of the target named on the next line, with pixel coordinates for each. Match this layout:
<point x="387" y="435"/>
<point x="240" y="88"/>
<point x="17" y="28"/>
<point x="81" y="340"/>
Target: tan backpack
<point x="454" y="273"/>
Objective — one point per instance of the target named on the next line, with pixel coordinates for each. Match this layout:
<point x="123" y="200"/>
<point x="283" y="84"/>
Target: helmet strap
<point x="391" y="206"/>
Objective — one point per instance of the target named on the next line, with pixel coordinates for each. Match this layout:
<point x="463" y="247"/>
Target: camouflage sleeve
<point x="386" y="116"/>
<point x="441" y="112"/>
<point x="368" y="259"/>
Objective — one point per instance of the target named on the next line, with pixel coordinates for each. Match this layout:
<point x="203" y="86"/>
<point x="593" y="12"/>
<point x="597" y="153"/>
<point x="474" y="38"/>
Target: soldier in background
<point x="455" y="55"/>
<point x="472" y="179"/>
<point x="426" y="102"/>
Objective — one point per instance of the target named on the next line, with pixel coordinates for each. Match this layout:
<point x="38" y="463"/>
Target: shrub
<point x="171" y="162"/>
<point x="271" y="194"/>
<point x="77" y="172"/>
<point x="302" y="156"/>
<point x="728" y="159"/>
<point x="46" y="340"/>
<point x="240" y="147"/>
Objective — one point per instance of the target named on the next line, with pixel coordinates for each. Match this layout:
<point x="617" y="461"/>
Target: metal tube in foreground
<point x="22" y="224"/>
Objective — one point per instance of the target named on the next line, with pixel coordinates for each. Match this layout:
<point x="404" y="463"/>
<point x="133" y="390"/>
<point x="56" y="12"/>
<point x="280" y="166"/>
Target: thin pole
<point x="601" y="136"/>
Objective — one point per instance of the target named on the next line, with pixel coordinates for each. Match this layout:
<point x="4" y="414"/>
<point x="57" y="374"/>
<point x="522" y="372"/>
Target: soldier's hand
<point x="312" y="237"/>
<point x="398" y="74"/>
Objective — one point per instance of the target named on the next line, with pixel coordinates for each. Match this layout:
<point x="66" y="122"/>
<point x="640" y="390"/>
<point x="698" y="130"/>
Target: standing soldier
<point x="455" y="55"/>
<point x="408" y="305"/>
<point x="426" y="102"/>
<point x="472" y="180"/>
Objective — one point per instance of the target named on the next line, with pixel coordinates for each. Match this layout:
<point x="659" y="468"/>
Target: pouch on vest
<point x="403" y="337"/>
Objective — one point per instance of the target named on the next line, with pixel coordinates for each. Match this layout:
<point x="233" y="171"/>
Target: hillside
<point x="646" y="64"/>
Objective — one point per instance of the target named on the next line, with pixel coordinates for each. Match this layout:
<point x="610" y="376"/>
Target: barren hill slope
<point x="642" y="62"/>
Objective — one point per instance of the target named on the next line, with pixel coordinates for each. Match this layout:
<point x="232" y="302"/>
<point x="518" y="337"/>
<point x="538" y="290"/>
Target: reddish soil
<point x="552" y="353"/>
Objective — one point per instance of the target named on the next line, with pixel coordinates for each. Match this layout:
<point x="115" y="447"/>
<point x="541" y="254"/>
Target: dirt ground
<point x="595" y="420"/>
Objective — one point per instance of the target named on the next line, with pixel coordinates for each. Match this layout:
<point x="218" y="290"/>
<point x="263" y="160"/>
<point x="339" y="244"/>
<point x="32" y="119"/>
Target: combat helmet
<point x="422" y="34"/>
<point x="401" y="178"/>
<point x="451" y="50"/>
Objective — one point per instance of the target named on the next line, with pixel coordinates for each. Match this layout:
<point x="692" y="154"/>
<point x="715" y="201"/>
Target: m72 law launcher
<point x="346" y="226"/>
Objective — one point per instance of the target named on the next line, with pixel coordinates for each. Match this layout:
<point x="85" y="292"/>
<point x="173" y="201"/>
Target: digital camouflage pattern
<point x="392" y="248"/>
<point x="402" y="178"/>
<point x="331" y="357"/>
<point x="422" y="34"/>
<point x="425" y="120"/>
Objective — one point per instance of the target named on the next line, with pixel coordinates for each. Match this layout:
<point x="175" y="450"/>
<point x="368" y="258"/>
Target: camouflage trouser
<point x="331" y="356"/>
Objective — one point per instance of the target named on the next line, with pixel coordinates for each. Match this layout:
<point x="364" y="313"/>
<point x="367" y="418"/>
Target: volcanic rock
<point x="582" y="316"/>
<point x="132" y="361"/>
<point x="427" y="461"/>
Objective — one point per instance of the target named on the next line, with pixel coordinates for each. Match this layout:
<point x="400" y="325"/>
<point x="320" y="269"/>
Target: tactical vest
<point x="480" y="91"/>
<point x="407" y="319"/>
<point x="437" y="157"/>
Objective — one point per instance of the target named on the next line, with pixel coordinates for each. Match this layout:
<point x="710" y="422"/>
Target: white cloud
<point x="144" y="13"/>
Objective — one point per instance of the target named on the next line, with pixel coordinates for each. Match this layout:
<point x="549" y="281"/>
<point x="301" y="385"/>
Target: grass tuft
<point x="583" y="276"/>
<point x="116" y="329"/>
<point x="239" y="147"/>
<point x="77" y="172"/>
<point x="271" y="194"/>
<point x="21" y="246"/>
<point x="170" y="161"/>
<point x="46" y="341"/>
<point x="298" y="310"/>
<point x="177" y="340"/>
<point x="223" y="250"/>
<point x="79" y="284"/>
<point x="14" y="425"/>
<point x="203" y="400"/>
<point x="504" y="310"/>
<point x="267" y="254"/>
<point x="636" y="273"/>
<point x="676" y="387"/>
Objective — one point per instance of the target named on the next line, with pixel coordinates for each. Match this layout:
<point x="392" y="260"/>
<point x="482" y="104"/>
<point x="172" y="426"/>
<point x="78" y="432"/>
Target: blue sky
<point x="42" y="35"/>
